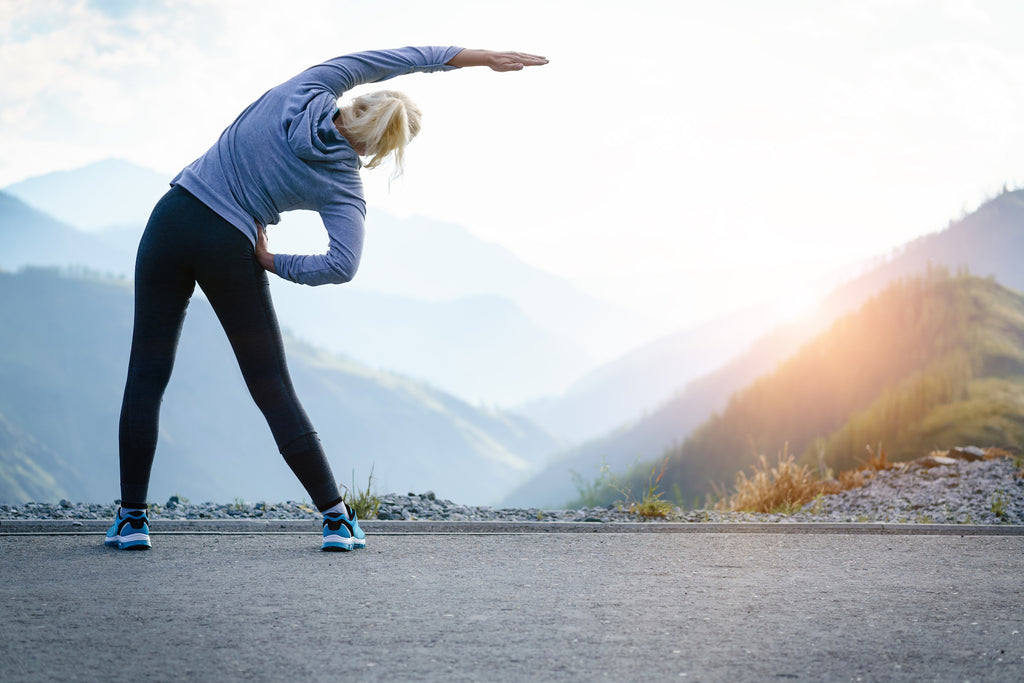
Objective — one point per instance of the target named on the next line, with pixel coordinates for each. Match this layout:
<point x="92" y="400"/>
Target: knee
<point x="302" y="444"/>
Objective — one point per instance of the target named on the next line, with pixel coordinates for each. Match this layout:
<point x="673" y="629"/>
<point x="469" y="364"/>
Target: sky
<point x="683" y="158"/>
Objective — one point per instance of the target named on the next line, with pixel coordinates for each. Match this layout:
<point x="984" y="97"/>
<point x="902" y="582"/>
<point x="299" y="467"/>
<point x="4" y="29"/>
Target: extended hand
<point x="514" y="61"/>
<point x="497" y="61"/>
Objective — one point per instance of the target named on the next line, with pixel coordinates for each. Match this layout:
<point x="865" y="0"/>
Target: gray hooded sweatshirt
<point x="284" y="153"/>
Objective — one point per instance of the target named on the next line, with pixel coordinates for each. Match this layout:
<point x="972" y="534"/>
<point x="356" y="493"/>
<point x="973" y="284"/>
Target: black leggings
<point x="185" y="243"/>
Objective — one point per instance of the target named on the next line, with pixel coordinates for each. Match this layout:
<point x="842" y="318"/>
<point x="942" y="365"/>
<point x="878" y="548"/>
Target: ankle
<point x="339" y="508"/>
<point x="124" y="510"/>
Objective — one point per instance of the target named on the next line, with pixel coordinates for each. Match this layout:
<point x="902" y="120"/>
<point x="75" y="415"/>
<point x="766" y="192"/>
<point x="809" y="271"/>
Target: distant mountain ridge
<point x="31" y="236"/>
<point x="103" y="194"/>
<point x="63" y="356"/>
<point x="621" y="392"/>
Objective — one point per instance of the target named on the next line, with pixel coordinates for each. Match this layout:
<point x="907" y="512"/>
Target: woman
<point x="291" y="149"/>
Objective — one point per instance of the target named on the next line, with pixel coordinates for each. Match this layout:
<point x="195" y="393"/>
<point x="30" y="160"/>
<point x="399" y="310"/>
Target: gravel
<point x="925" y="491"/>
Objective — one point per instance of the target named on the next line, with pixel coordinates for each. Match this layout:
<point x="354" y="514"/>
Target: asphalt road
<point x="513" y="607"/>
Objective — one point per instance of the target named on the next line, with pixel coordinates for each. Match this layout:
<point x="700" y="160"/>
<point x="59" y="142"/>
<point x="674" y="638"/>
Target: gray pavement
<point x="228" y="602"/>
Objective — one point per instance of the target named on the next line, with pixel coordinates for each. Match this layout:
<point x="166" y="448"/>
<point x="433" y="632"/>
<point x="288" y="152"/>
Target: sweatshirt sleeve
<point x="344" y="223"/>
<point x="346" y="72"/>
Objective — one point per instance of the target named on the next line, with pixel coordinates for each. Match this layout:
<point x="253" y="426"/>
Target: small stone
<point x="968" y="453"/>
<point x="930" y="461"/>
<point x="429" y="495"/>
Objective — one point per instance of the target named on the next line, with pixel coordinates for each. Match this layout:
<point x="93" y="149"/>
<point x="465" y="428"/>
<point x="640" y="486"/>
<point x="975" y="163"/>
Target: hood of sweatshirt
<point x="313" y="136"/>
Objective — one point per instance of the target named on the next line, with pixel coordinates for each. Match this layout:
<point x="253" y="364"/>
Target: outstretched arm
<point x="498" y="61"/>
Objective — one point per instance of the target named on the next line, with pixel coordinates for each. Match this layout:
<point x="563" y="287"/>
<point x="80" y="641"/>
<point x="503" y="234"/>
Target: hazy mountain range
<point x="63" y="355"/>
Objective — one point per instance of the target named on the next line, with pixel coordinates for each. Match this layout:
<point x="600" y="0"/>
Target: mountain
<point x="482" y="348"/>
<point x="984" y="241"/>
<point x="621" y="392"/>
<point x="100" y="195"/>
<point x="28" y="469"/>
<point x="932" y="362"/>
<point x="436" y="282"/>
<point x="31" y="236"/>
<point x="427" y="259"/>
<point x="661" y="427"/>
<point x="63" y="355"/>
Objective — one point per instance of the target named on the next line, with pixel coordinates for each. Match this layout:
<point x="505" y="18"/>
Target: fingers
<point x="516" y="61"/>
<point x="531" y="60"/>
<point x="262" y="241"/>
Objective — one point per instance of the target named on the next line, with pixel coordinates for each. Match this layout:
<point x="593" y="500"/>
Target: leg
<point x="239" y="292"/>
<point x="163" y="287"/>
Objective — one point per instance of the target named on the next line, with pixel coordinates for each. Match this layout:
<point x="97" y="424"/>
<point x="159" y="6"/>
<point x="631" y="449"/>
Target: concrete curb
<point x="19" y="527"/>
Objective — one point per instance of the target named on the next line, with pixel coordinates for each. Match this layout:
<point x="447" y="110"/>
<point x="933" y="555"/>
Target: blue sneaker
<point x="130" y="532"/>
<point x="342" y="533"/>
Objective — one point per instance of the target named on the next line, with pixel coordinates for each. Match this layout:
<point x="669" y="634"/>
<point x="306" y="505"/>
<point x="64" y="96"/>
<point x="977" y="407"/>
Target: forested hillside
<point x="934" y="361"/>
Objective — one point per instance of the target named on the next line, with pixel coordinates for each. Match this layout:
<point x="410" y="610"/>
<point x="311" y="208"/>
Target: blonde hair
<point x="385" y="122"/>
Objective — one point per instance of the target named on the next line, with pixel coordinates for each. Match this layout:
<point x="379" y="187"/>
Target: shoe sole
<point x="131" y="542"/>
<point x="337" y="544"/>
<point x="336" y="548"/>
<point x="340" y="543"/>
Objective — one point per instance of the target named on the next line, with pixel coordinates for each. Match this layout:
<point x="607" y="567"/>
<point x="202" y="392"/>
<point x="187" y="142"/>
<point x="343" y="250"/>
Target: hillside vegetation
<point x="932" y="362"/>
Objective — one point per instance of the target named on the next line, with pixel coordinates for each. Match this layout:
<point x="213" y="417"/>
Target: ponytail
<point x="385" y="122"/>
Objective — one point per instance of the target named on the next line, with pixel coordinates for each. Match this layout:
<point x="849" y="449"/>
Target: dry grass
<point x="773" y="489"/>
<point x="992" y="453"/>
<point x="787" y="487"/>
